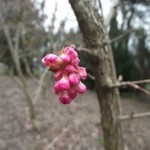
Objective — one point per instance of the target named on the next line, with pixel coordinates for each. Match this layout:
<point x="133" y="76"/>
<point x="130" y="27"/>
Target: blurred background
<point x="31" y="116"/>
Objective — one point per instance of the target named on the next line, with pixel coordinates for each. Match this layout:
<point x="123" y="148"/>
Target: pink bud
<point x="72" y="92"/>
<point x="81" y="88"/>
<point x="82" y="72"/>
<point x="65" y="98"/>
<point x="71" y="52"/>
<point x="63" y="83"/>
<point x="58" y="75"/>
<point x="74" y="79"/>
<point x="70" y="69"/>
<point x="53" y="59"/>
<point x="75" y="62"/>
<point x="65" y="58"/>
<point x="45" y="62"/>
<point x="50" y="58"/>
<point x="56" y="89"/>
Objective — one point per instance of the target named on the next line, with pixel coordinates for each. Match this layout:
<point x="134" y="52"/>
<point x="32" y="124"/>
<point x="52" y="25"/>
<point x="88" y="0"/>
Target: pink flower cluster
<point x="67" y="75"/>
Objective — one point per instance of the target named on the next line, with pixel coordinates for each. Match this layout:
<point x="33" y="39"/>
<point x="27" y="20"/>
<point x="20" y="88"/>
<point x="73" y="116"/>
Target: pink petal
<point x="75" y="62"/>
<point x="58" y="75"/>
<point x="51" y="58"/>
<point x="70" y="69"/>
<point x="74" y="79"/>
<point x="82" y="72"/>
<point x="65" y="98"/>
<point x="72" y="92"/>
<point x="56" y="89"/>
<point x="81" y="88"/>
<point x="71" y="52"/>
<point x="45" y="62"/>
<point x="65" y="58"/>
<point x="63" y="83"/>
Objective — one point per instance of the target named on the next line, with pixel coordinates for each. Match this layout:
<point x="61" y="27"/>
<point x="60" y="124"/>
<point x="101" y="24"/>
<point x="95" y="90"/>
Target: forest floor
<point x="72" y="127"/>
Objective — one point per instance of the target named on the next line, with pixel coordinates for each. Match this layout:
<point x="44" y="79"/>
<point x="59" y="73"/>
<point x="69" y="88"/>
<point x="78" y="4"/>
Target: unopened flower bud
<point x="70" y="69"/>
<point x="71" y="52"/>
<point x="72" y="92"/>
<point x="46" y="63"/>
<point x="63" y="83"/>
<point x="65" y="58"/>
<point x="75" y="62"/>
<point x="56" y="89"/>
<point x="65" y="98"/>
<point x="81" y="88"/>
<point x="51" y="58"/>
<point x="58" y="75"/>
<point x="74" y="79"/>
<point x="82" y="72"/>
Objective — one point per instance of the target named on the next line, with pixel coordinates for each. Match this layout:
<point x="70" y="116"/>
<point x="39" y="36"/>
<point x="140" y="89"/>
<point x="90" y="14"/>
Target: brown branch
<point x="140" y="88"/>
<point x="128" y="83"/>
<point x="86" y="50"/>
<point x="91" y="76"/>
<point x="41" y="85"/>
<point x="125" y="33"/>
<point x="133" y="115"/>
<point x="133" y="84"/>
<point x="50" y="146"/>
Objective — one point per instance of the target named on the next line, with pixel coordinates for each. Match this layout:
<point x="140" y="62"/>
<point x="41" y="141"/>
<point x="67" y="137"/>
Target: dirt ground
<point x="72" y="127"/>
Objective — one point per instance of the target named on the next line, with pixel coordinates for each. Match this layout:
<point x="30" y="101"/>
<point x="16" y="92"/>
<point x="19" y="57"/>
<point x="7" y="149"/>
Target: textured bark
<point x="95" y="37"/>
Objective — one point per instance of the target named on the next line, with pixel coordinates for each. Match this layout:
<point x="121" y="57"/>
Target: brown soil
<point x="72" y="127"/>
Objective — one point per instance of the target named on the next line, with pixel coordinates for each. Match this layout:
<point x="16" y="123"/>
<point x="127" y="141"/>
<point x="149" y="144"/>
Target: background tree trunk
<point x="95" y="37"/>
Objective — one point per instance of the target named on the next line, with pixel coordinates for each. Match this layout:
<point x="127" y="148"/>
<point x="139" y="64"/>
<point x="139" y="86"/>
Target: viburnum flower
<point x="67" y="74"/>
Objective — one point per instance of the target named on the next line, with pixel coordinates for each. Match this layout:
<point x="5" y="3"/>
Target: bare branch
<point x="121" y="36"/>
<point x="91" y="76"/>
<point x="139" y="88"/>
<point x="133" y="115"/>
<point x="127" y="83"/>
<point x="50" y="146"/>
<point x="132" y="84"/>
<point x="41" y="85"/>
<point x="82" y="49"/>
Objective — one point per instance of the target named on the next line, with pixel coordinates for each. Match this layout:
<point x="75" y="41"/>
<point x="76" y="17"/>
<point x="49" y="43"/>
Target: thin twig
<point x="57" y="138"/>
<point x="139" y="88"/>
<point x="91" y="76"/>
<point x="125" y="33"/>
<point x="133" y="115"/>
<point x="40" y="86"/>
<point x="128" y="83"/>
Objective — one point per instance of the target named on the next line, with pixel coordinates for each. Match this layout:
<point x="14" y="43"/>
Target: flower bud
<point x="81" y="88"/>
<point x="46" y="63"/>
<point x="72" y="92"/>
<point x="65" y="58"/>
<point x="75" y="62"/>
<point x="82" y="72"/>
<point x="65" y="98"/>
<point x="63" y="83"/>
<point x="74" y="79"/>
<point x="51" y="58"/>
<point x="70" y="69"/>
<point x="56" y="89"/>
<point x="58" y="75"/>
<point x="71" y="52"/>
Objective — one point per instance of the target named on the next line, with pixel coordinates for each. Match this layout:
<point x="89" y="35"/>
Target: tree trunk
<point x="95" y="37"/>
